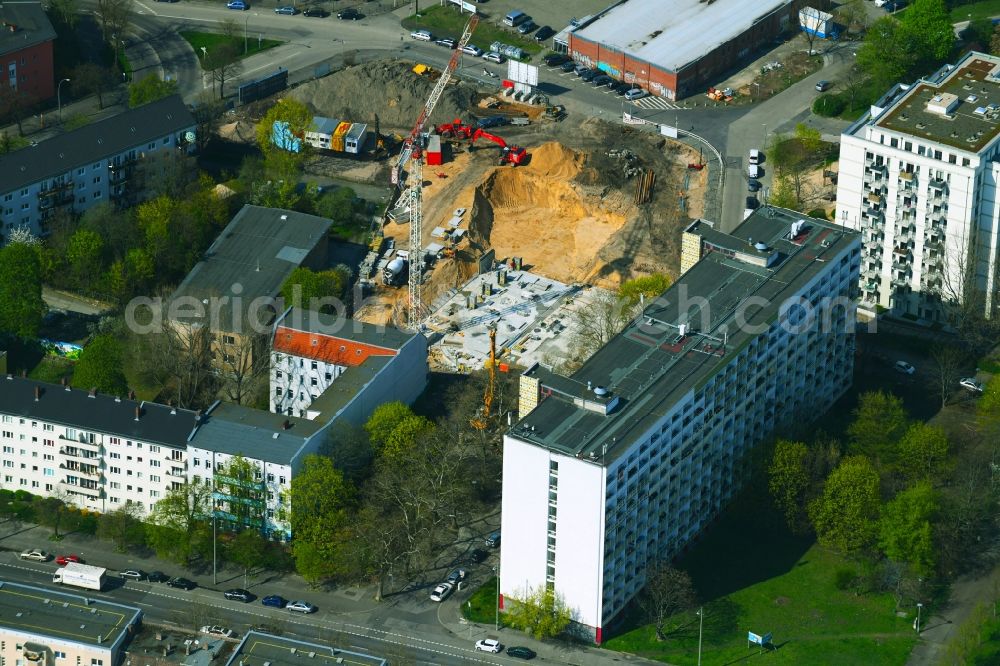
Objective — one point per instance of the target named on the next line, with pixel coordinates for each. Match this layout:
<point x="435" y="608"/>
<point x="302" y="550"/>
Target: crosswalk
<point x="656" y="103"/>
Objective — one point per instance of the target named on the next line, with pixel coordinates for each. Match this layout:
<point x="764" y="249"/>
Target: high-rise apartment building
<point x="919" y="178"/>
<point x="626" y="461"/>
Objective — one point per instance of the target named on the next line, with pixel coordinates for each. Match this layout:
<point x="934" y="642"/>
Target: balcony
<point x="89" y="491"/>
<point x="900" y="280"/>
<point x="73" y="452"/>
<point x="82" y="441"/>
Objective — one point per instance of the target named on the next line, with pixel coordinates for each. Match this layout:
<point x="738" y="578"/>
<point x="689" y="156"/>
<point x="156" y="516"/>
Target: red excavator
<point x="455" y="129"/>
<point x="512" y="155"/>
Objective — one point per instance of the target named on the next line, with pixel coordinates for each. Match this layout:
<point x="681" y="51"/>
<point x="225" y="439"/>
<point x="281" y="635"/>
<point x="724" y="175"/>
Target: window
<point x="97" y="195"/>
<point x="152" y="146"/>
<point x="228" y="339"/>
<point x="154" y="493"/>
<point x="97" y="165"/>
<point x="24" y="192"/>
<point x="80" y="171"/>
<point x="60" y="655"/>
<point x="115" y="485"/>
<point x="116" y="470"/>
<point x="281" y="480"/>
<point x="154" y="449"/>
<point x="155" y="478"/>
<point x="313" y="365"/>
<point x="25" y="206"/>
<point x="277" y="390"/>
<point x="48" y="472"/>
<point x="114" y="455"/>
<point x="8" y="197"/>
<point x="154" y="463"/>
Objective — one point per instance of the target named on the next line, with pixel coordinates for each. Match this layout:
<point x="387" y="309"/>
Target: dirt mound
<point x="387" y="88"/>
<point x="554" y="160"/>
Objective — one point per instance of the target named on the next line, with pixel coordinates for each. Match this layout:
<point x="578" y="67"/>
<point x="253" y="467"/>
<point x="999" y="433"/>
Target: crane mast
<point x="412" y="153"/>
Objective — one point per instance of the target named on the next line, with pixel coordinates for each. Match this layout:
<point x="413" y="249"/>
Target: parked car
<point x="493" y="539"/>
<point x="622" y="88"/>
<point x="157" y="577"/>
<point x="753" y="203"/>
<point x="544" y="33"/>
<point x="478" y="555"/>
<point x="237" y="4"/>
<point x="350" y="14"/>
<point x="488" y="645"/>
<point x="635" y="93"/>
<point x="491" y="121"/>
<point x="755" y="156"/>
<point x="527" y="27"/>
<point x="612" y="83"/>
<point x="590" y="75"/>
<point x="601" y="80"/>
<point x="446" y="41"/>
<point x="493" y="56"/>
<point x="63" y="560"/>
<point x="568" y="66"/>
<point x="972" y="384"/>
<point x="753" y="185"/>
<point x="182" y="583"/>
<point x="301" y="607"/>
<point x="823" y="86"/>
<point x="441" y="592"/>
<point x="520" y="652"/>
<point x="133" y="574"/>
<point x="581" y="68"/>
<point x="36" y="555"/>
<point x="455" y="576"/>
<point x="555" y="59"/>
<point x="472" y="50"/>
<point x="216" y="630"/>
<point x="422" y="35"/>
<point x="316" y="12"/>
<point x="755" y="171"/>
<point x="274" y="601"/>
<point x="904" y="367"/>
<point x="287" y="9"/>
<point x="237" y="594"/>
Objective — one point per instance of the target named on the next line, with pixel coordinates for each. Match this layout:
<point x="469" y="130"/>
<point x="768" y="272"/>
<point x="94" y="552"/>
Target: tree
<point x="844" y="517"/>
<point x="995" y="42"/>
<point x="852" y="14"/>
<point x="337" y="205"/>
<point x="948" y="364"/>
<point x="782" y="193"/>
<point x="223" y="61"/>
<point x="879" y="422"/>
<point x="122" y="526"/>
<point x="314" y="290"/>
<point x="178" y="525"/>
<point x="240" y="490"/>
<point x="100" y="366"/>
<point x="383" y="422"/>
<point x="928" y="23"/>
<point x="887" y="54"/>
<point x="244" y="367"/>
<point x="51" y="511"/>
<point x="350" y="449"/>
<point x="602" y="318"/>
<point x="21" y="304"/>
<point x="668" y="591"/>
<point x="91" y="77"/>
<point x="788" y="481"/>
<point x="810" y="139"/>
<point x="67" y="11"/>
<point x="287" y="110"/>
<point x="979" y="31"/>
<point x="207" y="112"/>
<point x="923" y="452"/>
<point x="540" y="612"/>
<point x="85" y="257"/>
<point x="905" y="531"/>
<point x="632" y="292"/>
<point x="405" y="436"/>
<point x="320" y="501"/>
<point x="114" y="16"/>
<point x="14" y="104"/>
<point x="179" y="359"/>
<point x="248" y="549"/>
<point x="149" y="89"/>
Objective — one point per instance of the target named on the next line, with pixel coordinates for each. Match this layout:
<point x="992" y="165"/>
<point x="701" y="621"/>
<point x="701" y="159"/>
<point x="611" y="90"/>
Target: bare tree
<point x="224" y="63"/>
<point x="115" y="16"/>
<point x="182" y="356"/>
<point x="948" y="363"/>
<point x="14" y="104"/>
<point x="962" y="300"/>
<point x="92" y="78"/>
<point x="853" y="83"/>
<point x="244" y="367"/>
<point x="208" y="114"/>
<point x="668" y="591"/>
<point x="601" y="319"/>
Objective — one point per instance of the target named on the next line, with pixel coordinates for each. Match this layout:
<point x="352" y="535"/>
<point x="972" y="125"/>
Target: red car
<point x="63" y="560"/>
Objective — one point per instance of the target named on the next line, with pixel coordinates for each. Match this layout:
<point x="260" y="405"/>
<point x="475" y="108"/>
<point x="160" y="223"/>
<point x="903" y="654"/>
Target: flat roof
<point x="346" y="387"/>
<point x="259" y="649"/>
<point x="973" y="119"/>
<point x="23" y="25"/>
<point x="648" y="367"/>
<point x="253" y="433"/>
<point x="76" y="408"/>
<point x="674" y="33"/>
<point x="257" y="250"/>
<point x="58" y="615"/>
<point x="337" y="328"/>
<point x="95" y="142"/>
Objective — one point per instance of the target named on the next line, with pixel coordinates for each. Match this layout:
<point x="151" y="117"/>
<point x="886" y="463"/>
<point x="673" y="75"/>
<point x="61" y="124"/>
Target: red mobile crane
<point x="509" y="154"/>
<point x="455" y="129"/>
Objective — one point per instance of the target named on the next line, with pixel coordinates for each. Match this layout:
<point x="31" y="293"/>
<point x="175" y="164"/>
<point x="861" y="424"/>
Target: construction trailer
<point x="818" y="23"/>
<point x="433" y="150"/>
<point x="340" y="136"/>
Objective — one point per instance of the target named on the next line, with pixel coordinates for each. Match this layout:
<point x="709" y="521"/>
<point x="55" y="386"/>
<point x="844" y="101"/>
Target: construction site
<point x="517" y="220"/>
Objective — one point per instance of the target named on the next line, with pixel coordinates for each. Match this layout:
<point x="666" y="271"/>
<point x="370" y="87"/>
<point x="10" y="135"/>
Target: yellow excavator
<point x="481" y="421"/>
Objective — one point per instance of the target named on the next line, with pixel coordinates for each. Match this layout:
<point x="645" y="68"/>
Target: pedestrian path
<point x="656" y="103"/>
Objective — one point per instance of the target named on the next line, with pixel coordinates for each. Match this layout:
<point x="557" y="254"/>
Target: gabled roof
<point x="78" y="409"/>
<point x="254" y="433"/>
<point x="92" y="143"/>
<point x="23" y="25"/>
<point x="322" y="337"/>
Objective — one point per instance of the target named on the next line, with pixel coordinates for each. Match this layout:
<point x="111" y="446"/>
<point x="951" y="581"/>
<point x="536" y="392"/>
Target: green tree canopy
<point x="648" y="286"/>
<point x="845" y="515"/>
<point x="337" y="205"/>
<point x="542" y="613"/>
<point x="100" y="366"/>
<point x="905" y="527"/>
<point x="880" y="421"/>
<point x="320" y="500"/>
<point x="923" y="452"/>
<point x="384" y="420"/>
<point x="21" y="305"/>
<point x="85" y="255"/>
<point x="405" y="435"/>
<point x="314" y="290"/>
<point x="888" y="53"/>
<point x="289" y="110"/>
<point x="788" y="481"/>
<point x="928" y="23"/>
<point x="178" y="527"/>
<point x="149" y="89"/>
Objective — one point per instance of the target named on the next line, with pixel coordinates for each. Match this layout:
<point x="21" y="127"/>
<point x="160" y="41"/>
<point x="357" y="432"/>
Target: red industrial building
<point x="676" y="48"/>
<point x="26" y="37"/>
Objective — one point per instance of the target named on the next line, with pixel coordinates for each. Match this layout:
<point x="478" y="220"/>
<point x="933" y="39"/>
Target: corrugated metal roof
<point x="673" y="33"/>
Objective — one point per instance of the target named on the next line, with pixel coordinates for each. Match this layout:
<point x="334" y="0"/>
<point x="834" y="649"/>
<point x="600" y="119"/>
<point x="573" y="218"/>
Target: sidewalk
<point x="39" y="127"/>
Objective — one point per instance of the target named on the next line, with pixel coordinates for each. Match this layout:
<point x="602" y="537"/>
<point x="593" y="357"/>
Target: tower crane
<point x="413" y="194"/>
<point x="480" y="422"/>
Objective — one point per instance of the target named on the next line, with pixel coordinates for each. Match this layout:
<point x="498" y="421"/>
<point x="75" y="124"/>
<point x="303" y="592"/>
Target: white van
<point x="515" y="18"/>
<point x="755" y="171"/>
<point x="756" y="157"/>
<point x="422" y="35"/>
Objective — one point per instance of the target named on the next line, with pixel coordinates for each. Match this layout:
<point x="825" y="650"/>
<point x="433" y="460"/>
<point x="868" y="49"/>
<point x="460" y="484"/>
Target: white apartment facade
<point x="109" y="161"/>
<point x="918" y="177"/>
<point x="99" y="451"/>
<point x="627" y="461"/>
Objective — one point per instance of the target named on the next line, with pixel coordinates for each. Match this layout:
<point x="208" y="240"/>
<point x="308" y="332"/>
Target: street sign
<point x="755" y="638"/>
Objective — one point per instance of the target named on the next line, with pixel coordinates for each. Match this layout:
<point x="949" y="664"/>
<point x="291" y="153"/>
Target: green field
<point x="975" y="10"/>
<point x="482" y="606"/>
<point x="445" y="21"/>
<point x="767" y="581"/>
<point x="211" y="40"/>
<point x="52" y="369"/>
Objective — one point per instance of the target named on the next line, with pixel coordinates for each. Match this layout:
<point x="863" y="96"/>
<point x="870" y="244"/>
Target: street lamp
<point x="764" y="145"/>
<point x="59" y="97"/>
<point x="917" y="624"/>
<point x="496" y="624"/>
<point x="246" y="48"/>
<point x="701" y="623"/>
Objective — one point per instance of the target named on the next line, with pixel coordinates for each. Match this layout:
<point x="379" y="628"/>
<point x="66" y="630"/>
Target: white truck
<point x="81" y="575"/>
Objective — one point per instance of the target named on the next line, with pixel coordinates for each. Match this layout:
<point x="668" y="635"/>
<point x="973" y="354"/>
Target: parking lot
<point x="553" y="14"/>
<point x="570" y="79"/>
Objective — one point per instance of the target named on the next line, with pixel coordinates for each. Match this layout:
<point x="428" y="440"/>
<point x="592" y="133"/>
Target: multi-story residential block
<point x="43" y="627"/>
<point x="26" y="37"/>
<point x="626" y="461"/>
<point x="319" y="363"/>
<point x="919" y="179"/>
<point x="259" y="649"/>
<point x="97" y="450"/>
<point x="112" y="160"/>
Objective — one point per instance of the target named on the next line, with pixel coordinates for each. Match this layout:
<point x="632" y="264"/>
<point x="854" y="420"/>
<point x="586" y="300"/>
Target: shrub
<point x="818" y="213"/>
<point x="843" y="579"/>
<point x="829" y="106"/>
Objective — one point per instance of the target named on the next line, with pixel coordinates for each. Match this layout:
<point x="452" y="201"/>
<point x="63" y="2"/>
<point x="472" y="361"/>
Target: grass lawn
<point x="52" y="369"/>
<point x="211" y="40"/>
<point x="768" y="581"/>
<point x="482" y="606"/>
<point x="976" y="10"/>
<point x="446" y="21"/>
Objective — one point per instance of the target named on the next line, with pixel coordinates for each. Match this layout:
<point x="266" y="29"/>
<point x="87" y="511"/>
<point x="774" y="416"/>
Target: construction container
<point x="354" y="141"/>
<point x="337" y="140"/>
<point x="434" y="150"/>
<point x="818" y="23"/>
<point x="318" y="135"/>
